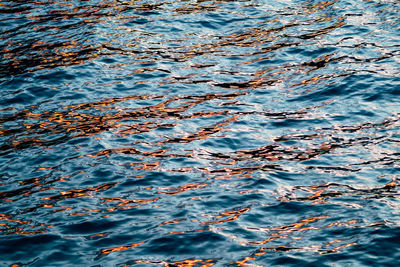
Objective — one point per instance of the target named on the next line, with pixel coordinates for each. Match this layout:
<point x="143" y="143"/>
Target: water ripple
<point x="199" y="133"/>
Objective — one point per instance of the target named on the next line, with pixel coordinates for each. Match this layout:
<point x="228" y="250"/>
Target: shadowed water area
<point x="199" y="133"/>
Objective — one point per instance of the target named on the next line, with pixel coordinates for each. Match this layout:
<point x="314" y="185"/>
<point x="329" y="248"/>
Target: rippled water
<point x="199" y="133"/>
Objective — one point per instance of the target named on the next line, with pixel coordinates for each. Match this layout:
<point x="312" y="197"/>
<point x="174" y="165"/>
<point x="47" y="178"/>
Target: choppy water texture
<point x="199" y="133"/>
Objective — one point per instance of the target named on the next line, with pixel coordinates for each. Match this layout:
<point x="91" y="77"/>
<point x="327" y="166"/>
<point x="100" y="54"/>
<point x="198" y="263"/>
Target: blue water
<point x="199" y="133"/>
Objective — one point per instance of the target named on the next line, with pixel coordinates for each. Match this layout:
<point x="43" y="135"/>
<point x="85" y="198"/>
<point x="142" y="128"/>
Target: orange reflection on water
<point x="18" y="227"/>
<point x="184" y="263"/>
<point x="171" y="222"/>
<point x="4" y="217"/>
<point x="296" y="227"/>
<point x="148" y="166"/>
<point x="245" y="172"/>
<point x="50" y="128"/>
<point x="36" y="54"/>
<point x="203" y="133"/>
<point x="81" y="192"/>
<point x="99" y="235"/>
<point x="261" y="42"/>
<point x="244" y="262"/>
<point x="120" y="248"/>
<point x="184" y="188"/>
<point x="335" y="190"/>
<point x="287" y="231"/>
<point x="126" y="203"/>
<point x="337" y="249"/>
<point x="232" y="215"/>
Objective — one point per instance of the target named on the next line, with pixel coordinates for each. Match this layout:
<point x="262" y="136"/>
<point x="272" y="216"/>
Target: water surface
<point x="199" y="133"/>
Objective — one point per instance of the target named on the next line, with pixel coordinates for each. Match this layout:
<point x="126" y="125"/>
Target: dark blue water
<point x="199" y="133"/>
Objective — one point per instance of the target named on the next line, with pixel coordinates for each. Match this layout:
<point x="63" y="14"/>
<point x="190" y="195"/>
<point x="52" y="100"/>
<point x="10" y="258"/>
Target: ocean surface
<point x="199" y="133"/>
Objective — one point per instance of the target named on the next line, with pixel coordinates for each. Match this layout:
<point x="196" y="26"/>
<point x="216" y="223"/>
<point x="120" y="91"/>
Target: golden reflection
<point x="183" y="188"/>
<point x="184" y="263"/>
<point x="227" y="216"/>
<point x="33" y="185"/>
<point x="36" y="54"/>
<point x="288" y="231"/>
<point x="18" y="227"/>
<point x="4" y="217"/>
<point x="71" y="123"/>
<point x="99" y="235"/>
<point x="124" y="204"/>
<point x="148" y="166"/>
<point x="337" y="249"/>
<point x="195" y="7"/>
<point x="80" y="192"/>
<point x="244" y="262"/>
<point x="203" y="133"/>
<point x="238" y="172"/>
<point x="272" y="238"/>
<point x="298" y="227"/>
<point x="120" y="248"/>
<point x="335" y="190"/>
<point x="50" y="54"/>
<point x="319" y="6"/>
<point x="171" y="222"/>
<point x="164" y="117"/>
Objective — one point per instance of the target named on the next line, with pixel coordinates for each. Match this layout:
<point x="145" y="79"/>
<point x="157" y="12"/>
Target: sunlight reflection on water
<point x="199" y="133"/>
